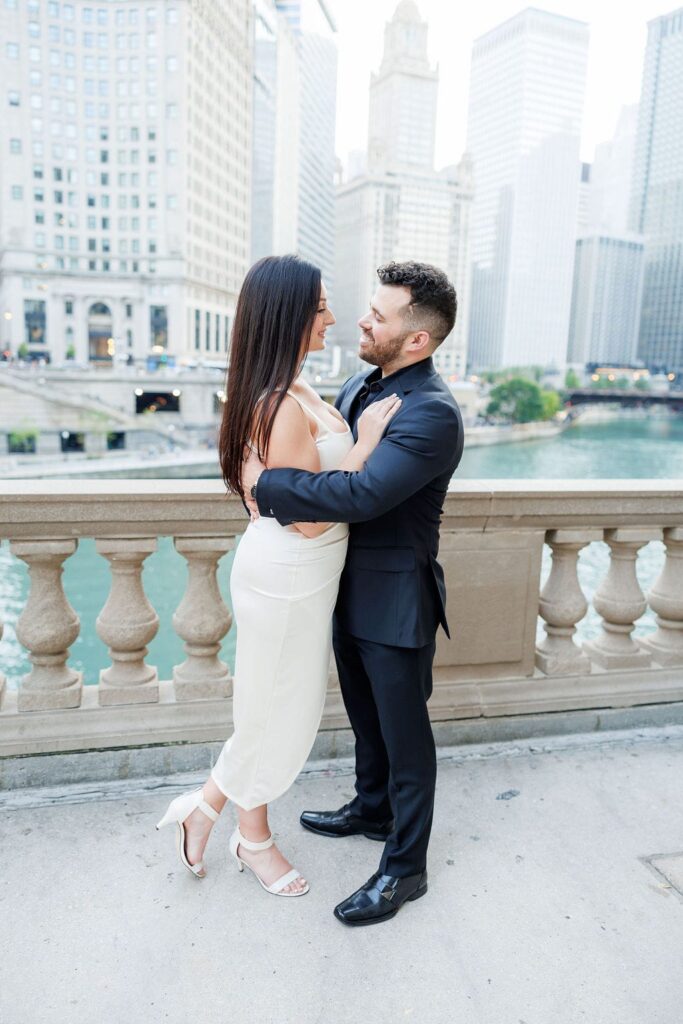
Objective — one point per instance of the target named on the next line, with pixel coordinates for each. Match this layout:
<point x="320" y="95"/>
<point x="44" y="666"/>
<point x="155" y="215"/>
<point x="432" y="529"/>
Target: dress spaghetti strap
<point x="308" y="409"/>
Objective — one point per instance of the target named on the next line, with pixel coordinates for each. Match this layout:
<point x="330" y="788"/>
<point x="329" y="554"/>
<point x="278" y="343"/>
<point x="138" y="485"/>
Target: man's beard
<point x="384" y="355"/>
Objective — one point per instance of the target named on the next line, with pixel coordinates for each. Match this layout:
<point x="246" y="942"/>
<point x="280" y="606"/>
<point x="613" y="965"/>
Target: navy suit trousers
<point x="385" y="691"/>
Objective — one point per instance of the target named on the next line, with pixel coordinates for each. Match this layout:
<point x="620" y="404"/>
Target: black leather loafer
<point x="380" y="898"/>
<point x="345" y="823"/>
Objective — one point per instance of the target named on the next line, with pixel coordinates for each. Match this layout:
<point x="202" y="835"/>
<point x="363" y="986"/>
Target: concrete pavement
<point x="541" y="907"/>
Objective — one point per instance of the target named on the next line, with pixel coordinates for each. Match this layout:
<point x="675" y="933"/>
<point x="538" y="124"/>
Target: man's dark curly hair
<point x="433" y="305"/>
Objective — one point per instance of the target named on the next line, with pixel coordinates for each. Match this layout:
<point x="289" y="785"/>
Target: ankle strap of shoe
<point x="208" y="810"/>
<point x="249" y="845"/>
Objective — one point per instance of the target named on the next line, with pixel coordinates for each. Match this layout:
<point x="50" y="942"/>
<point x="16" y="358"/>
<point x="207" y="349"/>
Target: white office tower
<point x="608" y="266"/>
<point x="608" y="279"/>
<point x="611" y="176"/>
<point x="524" y="125"/>
<point x="275" y="158"/>
<point x="657" y="197"/>
<point x="585" y="191"/>
<point x="401" y="208"/>
<point x="125" y="201"/>
<point x="403" y="95"/>
<point x="314" y="29"/>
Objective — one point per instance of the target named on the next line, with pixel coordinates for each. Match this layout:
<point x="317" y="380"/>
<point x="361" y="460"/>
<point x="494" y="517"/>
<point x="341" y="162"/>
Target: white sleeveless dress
<point x="284" y="588"/>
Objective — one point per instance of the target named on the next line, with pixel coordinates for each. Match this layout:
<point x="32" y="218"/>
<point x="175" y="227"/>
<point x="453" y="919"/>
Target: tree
<point x="518" y="400"/>
<point x="571" y="380"/>
<point x="551" y="404"/>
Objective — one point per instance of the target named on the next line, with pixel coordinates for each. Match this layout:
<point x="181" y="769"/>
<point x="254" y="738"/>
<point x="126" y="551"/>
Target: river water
<point x="644" y="448"/>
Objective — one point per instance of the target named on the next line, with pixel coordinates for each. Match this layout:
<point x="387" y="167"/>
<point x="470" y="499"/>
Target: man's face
<point x="383" y="328"/>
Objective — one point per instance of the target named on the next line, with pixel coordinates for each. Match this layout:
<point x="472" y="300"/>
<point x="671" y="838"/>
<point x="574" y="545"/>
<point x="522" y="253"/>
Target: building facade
<point x="585" y="193"/>
<point x="275" y="157"/>
<point x="313" y="26"/>
<point x="524" y="123"/>
<point x="403" y="95"/>
<point x="657" y="195"/>
<point x="403" y="215"/>
<point x="400" y="208"/>
<point x="611" y="176"/>
<point x="606" y="296"/>
<point x="125" y="184"/>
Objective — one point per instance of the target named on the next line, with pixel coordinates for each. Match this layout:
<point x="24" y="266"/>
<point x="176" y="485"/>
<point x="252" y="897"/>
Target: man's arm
<point x="417" y="447"/>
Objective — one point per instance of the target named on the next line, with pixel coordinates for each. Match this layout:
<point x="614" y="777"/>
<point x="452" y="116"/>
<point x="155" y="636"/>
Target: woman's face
<point x="324" y="318"/>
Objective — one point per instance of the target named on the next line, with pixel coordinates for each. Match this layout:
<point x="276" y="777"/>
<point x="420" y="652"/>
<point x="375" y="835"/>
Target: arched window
<point x="100" y="340"/>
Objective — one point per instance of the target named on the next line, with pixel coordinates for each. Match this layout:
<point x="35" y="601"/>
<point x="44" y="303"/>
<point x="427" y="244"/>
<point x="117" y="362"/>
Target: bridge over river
<point x="632" y="398"/>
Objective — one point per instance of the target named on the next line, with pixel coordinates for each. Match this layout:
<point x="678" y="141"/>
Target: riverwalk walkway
<point x="556" y="897"/>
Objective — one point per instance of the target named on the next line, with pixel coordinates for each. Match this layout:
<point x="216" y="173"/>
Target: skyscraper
<point x="608" y="266"/>
<point x="275" y="161"/>
<point x="314" y="29"/>
<point x="608" y="279"/>
<point x="401" y="208"/>
<point x="611" y="176"/>
<point x="403" y="95"/>
<point x="124" y="211"/>
<point x="585" y="193"/>
<point x="657" y="196"/>
<point x="525" y="107"/>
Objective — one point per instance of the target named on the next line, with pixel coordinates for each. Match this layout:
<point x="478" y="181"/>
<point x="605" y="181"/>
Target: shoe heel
<point x="167" y="818"/>
<point x="419" y="892"/>
<point x="374" y="835"/>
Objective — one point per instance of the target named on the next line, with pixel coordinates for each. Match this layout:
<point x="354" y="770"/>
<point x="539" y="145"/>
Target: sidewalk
<point x="541" y="909"/>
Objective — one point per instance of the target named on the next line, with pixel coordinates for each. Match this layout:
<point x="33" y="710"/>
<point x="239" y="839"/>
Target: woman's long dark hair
<point x="275" y="311"/>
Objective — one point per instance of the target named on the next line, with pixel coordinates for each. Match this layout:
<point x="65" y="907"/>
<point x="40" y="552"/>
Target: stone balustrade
<point x="492" y="542"/>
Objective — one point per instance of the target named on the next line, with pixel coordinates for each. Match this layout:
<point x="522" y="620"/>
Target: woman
<point x="284" y="579"/>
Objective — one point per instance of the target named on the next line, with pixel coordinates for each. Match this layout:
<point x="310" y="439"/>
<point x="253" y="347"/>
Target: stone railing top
<point x="201" y="508"/>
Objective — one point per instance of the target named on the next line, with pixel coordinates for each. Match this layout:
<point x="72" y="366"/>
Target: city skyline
<point x="524" y="118"/>
<point x="452" y="35"/>
<point x="400" y="207"/>
<point x="172" y="285"/>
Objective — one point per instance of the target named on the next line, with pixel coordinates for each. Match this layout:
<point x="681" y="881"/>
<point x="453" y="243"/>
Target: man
<point x="391" y="595"/>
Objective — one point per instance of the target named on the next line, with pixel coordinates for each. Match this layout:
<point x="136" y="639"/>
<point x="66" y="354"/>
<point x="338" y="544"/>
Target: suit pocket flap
<point x="382" y="559"/>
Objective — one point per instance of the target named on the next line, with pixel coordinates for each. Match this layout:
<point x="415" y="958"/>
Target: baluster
<point x="202" y="620"/>
<point x="563" y="604"/>
<point x="47" y="627"/>
<point x="620" y="602"/>
<point x="126" y="624"/>
<point x="666" y="599"/>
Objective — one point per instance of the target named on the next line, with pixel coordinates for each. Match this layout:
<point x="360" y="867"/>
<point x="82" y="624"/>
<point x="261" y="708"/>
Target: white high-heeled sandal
<point x="237" y="839"/>
<point x="178" y="810"/>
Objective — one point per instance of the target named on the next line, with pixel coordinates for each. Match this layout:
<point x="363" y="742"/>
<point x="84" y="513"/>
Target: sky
<point x="618" y="33"/>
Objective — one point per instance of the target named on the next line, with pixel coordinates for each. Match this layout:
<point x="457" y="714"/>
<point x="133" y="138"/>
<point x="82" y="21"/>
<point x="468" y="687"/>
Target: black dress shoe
<point x="345" y="823"/>
<point x="380" y="898"/>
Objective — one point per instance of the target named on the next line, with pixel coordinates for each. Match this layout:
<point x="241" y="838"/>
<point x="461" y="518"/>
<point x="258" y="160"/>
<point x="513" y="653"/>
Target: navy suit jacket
<point x="392" y="588"/>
